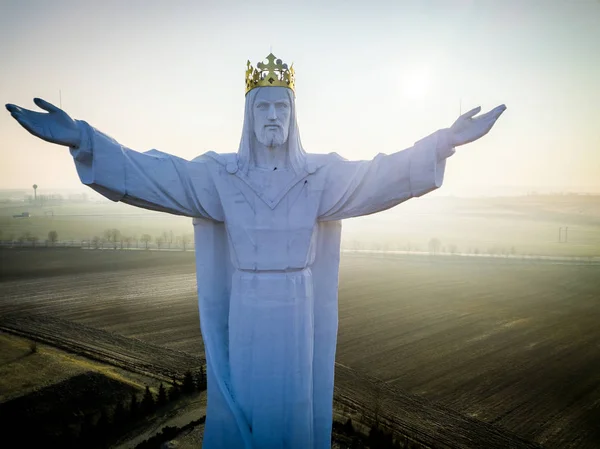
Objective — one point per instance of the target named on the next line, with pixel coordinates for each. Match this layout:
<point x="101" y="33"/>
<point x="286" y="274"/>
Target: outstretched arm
<point x="151" y="180"/>
<point x="356" y="188"/>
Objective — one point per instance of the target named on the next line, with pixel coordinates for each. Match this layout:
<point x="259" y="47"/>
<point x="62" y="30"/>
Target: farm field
<point x="134" y="356"/>
<point x="511" y="344"/>
<point x="507" y="342"/>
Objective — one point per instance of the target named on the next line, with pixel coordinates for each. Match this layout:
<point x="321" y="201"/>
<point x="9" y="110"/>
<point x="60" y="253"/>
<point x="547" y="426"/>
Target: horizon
<point x="482" y="192"/>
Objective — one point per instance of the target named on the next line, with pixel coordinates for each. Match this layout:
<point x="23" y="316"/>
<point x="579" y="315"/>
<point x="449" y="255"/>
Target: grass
<point x="22" y="371"/>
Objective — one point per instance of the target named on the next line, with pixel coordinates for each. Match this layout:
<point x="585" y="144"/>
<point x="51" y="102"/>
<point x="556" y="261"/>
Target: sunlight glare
<point x="415" y="83"/>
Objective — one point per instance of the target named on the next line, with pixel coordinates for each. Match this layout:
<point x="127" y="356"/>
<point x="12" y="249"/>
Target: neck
<point x="270" y="158"/>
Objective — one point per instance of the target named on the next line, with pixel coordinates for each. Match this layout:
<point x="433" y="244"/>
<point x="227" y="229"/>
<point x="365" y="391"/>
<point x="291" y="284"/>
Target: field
<point x="513" y="344"/>
<point x="21" y="369"/>
<point x="508" y="342"/>
<point x="132" y="355"/>
<point x="44" y="389"/>
<point x="76" y="372"/>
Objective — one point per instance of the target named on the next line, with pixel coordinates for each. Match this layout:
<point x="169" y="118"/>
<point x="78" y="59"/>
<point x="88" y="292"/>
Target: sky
<point x="372" y="77"/>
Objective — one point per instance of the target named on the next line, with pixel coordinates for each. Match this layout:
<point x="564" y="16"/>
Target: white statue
<point x="267" y="234"/>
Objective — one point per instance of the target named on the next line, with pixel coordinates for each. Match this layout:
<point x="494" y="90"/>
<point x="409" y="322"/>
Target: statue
<point x="267" y="223"/>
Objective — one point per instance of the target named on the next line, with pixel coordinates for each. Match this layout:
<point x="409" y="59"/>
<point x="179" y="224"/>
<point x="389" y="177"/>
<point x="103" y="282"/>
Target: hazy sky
<point x="372" y="76"/>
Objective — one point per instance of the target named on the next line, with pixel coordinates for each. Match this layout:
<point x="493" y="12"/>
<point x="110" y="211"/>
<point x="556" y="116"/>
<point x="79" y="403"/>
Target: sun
<point x="415" y="83"/>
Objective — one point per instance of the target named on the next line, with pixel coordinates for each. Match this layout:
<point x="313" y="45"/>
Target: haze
<point x="371" y="77"/>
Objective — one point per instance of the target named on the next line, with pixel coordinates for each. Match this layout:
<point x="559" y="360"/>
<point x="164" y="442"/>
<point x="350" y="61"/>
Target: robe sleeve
<point x="151" y="180"/>
<point x="355" y="188"/>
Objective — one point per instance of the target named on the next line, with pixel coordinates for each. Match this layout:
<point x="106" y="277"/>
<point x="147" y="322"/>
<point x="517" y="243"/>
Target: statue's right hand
<point x="55" y="126"/>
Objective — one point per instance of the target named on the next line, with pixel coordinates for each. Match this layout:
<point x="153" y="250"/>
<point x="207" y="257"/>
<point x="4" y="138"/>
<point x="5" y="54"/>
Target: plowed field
<point x="511" y="343"/>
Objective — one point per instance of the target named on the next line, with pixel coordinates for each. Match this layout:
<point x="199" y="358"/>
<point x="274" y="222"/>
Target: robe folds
<point x="267" y="260"/>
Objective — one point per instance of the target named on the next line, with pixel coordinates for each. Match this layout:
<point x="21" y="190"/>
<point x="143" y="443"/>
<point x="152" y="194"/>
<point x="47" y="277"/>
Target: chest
<point x="270" y="221"/>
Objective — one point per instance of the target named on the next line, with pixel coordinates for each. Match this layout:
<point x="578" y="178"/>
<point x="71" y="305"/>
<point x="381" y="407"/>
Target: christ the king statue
<point x="267" y="226"/>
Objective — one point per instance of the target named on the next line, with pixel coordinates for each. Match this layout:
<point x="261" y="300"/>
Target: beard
<point x="271" y="136"/>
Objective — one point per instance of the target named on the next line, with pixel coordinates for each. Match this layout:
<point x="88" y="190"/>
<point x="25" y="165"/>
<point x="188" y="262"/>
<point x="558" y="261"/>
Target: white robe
<point x="267" y="267"/>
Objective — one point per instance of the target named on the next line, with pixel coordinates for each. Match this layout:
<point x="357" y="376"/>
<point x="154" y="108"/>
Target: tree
<point x="119" y="415"/>
<point x="167" y="237"/>
<point x="161" y="400"/>
<point x="87" y="429"/>
<point x="134" y="407"/>
<point x="53" y="237"/>
<point x="348" y="427"/>
<point x="96" y="242"/>
<point x="453" y="249"/>
<point x="24" y="237"/>
<point x="174" y="392"/>
<point x="201" y="379"/>
<point x="146" y="238"/>
<point x="188" y="386"/>
<point x="434" y="246"/>
<point x="102" y="427"/>
<point x="186" y="239"/>
<point x="159" y="241"/>
<point x="148" y="401"/>
<point x="33" y="239"/>
<point x="112" y="236"/>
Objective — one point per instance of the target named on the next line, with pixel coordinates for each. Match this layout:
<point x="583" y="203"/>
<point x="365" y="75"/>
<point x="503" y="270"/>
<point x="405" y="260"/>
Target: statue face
<point x="271" y="113"/>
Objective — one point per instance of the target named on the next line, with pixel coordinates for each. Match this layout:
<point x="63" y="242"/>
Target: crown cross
<point x="273" y="73"/>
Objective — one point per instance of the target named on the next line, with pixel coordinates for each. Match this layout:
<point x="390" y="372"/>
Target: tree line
<point x="110" y="238"/>
<point x="100" y="429"/>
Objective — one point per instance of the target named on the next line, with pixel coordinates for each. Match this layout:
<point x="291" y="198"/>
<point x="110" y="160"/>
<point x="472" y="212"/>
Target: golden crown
<point x="273" y="73"/>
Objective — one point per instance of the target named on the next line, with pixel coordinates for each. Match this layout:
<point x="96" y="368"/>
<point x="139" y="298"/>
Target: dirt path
<point x="179" y="417"/>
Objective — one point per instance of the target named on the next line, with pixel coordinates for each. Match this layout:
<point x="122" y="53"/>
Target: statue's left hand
<point x="468" y="128"/>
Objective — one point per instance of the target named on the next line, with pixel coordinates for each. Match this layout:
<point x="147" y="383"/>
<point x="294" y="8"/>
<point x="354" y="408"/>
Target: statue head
<point x="271" y="114"/>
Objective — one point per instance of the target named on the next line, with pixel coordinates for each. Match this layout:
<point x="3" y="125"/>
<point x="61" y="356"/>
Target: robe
<point x="267" y="260"/>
